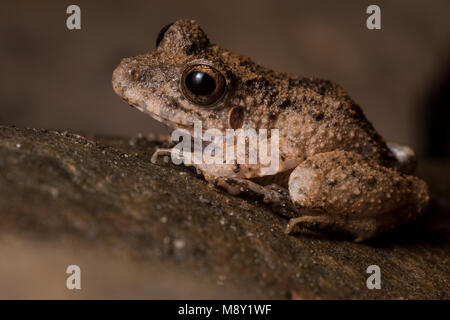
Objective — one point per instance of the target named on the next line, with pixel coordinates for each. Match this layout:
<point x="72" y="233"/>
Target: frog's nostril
<point x="136" y="75"/>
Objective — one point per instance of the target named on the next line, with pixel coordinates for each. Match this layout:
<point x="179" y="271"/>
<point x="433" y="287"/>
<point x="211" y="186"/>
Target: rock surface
<point x="140" y="230"/>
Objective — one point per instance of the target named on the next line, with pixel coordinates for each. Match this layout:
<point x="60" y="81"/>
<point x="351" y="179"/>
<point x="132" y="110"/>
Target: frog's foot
<point x="272" y="194"/>
<point x="325" y="223"/>
<point x="159" y="152"/>
<point x="309" y="222"/>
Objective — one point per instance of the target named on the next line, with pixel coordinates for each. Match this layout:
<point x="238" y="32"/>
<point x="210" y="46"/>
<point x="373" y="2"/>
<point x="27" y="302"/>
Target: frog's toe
<point x="309" y="222"/>
<point x="159" y="153"/>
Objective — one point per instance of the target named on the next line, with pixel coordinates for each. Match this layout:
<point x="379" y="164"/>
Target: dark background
<point x="55" y="78"/>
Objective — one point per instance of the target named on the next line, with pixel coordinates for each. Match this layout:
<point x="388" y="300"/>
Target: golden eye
<point x="202" y="84"/>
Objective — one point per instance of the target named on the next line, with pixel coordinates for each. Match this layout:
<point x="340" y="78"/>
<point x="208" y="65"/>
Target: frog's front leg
<point x="344" y="192"/>
<point x="273" y="194"/>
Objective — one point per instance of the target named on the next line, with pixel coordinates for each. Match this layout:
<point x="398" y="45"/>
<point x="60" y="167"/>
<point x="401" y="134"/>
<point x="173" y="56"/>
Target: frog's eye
<point x="161" y="33"/>
<point x="202" y="84"/>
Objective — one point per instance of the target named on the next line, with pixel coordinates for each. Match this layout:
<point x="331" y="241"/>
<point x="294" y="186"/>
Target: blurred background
<point x="59" y="79"/>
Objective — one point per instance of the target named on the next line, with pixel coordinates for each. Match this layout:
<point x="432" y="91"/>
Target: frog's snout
<point x="124" y="83"/>
<point x="117" y="80"/>
<point x="121" y="79"/>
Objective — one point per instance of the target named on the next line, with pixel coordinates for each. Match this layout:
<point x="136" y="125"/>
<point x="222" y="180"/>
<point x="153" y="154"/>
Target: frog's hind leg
<point x="347" y="193"/>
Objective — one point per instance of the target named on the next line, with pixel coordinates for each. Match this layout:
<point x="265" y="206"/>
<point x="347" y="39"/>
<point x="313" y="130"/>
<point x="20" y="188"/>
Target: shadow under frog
<point x="336" y="173"/>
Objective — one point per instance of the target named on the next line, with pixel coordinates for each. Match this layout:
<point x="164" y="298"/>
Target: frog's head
<point x="184" y="80"/>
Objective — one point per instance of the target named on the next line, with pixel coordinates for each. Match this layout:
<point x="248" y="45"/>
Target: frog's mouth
<point x="142" y="106"/>
<point x="175" y="125"/>
<point x="167" y="122"/>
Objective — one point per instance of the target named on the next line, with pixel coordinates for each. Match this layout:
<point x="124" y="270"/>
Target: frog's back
<point x="313" y="115"/>
<point x="322" y="117"/>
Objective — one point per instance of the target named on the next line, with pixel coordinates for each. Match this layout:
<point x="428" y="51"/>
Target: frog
<point x="336" y="173"/>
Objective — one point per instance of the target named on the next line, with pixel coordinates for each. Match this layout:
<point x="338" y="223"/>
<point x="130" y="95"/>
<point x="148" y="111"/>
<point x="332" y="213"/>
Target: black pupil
<point x="200" y="83"/>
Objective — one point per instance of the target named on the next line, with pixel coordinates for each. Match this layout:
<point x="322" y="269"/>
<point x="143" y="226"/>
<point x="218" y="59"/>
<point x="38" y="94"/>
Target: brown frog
<point x="335" y="171"/>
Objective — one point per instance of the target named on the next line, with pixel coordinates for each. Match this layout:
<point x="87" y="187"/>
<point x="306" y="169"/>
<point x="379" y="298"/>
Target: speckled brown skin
<point x="316" y="119"/>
